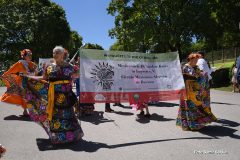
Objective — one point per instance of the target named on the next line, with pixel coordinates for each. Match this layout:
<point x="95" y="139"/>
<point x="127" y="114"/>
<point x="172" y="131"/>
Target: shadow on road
<point x="123" y="113"/>
<point x="163" y="104"/>
<point x="219" y="131"/>
<point x="96" y="118"/>
<point x="89" y="146"/>
<point x="153" y="117"/>
<point x="122" y="106"/>
<point x="17" y="118"/>
<point x="223" y="103"/>
<point x="229" y="123"/>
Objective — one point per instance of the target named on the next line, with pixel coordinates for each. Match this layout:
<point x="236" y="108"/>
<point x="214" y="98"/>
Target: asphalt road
<point x="120" y="136"/>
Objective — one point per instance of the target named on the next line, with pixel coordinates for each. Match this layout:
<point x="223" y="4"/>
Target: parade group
<point x="46" y="95"/>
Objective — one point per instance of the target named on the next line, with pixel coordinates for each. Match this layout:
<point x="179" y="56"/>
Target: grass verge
<point x="228" y="88"/>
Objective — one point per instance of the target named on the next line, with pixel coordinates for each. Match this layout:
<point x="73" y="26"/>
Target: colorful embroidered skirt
<point x="192" y="117"/>
<point x="64" y="126"/>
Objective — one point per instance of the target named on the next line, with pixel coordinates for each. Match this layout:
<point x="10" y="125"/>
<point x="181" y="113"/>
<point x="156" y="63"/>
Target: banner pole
<point x="72" y="60"/>
<point x="79" y="75"/>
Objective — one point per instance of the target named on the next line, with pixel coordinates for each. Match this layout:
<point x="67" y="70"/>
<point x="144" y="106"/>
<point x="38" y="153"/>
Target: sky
<point x="90" y="19"/>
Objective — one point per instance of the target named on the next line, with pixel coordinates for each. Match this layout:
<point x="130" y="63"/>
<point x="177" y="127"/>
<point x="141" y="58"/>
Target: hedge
<point x="221" y="78"/>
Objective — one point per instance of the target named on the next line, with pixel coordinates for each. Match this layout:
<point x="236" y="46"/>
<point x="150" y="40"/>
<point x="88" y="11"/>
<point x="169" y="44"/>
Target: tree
<point x="169" y="25"/>
<point x="39" y="25"/>
<point x="92" y="46"/>
<point x="155" y="25"/>
<point x="226" y="14"/>
<point x="116" y="47"/>
<point x="75" y="43"/>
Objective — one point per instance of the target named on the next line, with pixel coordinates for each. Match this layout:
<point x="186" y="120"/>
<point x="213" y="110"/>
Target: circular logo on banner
<point x="103" y="75"/>
<point x="99" y="97"/>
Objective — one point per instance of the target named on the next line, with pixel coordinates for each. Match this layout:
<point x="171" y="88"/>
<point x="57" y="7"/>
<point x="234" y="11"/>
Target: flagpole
<point x="72" y="60"/>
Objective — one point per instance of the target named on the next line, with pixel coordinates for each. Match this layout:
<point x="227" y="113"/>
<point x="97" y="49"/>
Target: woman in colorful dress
<point x="194" y="110"/>
<point x="51" y="103"/>
<point x="13" y="81"/>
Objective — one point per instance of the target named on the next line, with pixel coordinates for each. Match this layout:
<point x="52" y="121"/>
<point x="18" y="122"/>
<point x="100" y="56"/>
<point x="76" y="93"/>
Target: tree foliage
<point x="39" y="25"/>
<point x="226" y="14"/>
<point x="75" y="43"/>
<point x="117" y="47"/>
<point x="169" y="25"/>
<point x="92" y="46"/>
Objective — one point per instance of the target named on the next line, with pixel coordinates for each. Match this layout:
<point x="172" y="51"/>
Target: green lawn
<point x="226" y="64"/>
<point x="228" y="88"/>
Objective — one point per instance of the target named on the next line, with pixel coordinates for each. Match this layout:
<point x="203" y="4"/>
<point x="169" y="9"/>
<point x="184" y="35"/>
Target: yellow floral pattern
<point x="49" y="69"/>
<point x="61" y="98"/>
<point x="57" y="125"/>
<point x="38" y="86"/>
<point x="29" y="105"/>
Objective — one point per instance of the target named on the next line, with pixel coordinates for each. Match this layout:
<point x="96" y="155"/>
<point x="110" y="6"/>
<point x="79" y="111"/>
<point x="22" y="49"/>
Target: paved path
<point x="119" y="136"/>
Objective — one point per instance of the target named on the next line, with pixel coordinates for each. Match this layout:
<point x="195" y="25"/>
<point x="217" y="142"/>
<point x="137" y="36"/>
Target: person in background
<point x="14" y="82"/>
<point x="41" y="70"/>
<point x="77" y="67"/>
<point x="238" y="70"/>
<point x="108" y="108"/>
<point x="194" y="111"/>
<point x="203" y="65"/>
<point x="66" y="55"/>
<point x="82" y="109"/>
<point x="140" y="106"/>
<point x="235" y="84"/>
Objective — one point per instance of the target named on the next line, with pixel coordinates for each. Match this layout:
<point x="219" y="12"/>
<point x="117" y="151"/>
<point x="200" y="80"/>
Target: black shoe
<point x="25" y="113"/>
<point x="147" y="115"/>
<point x="109" y="110"/>
<point x="141" y="113"/>
<point x="121" y="105"/>
<point x="118" y="104"/>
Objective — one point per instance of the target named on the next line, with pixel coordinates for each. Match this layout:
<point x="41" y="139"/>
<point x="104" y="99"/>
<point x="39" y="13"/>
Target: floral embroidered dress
<point x="13" y="81"/>
<point x="60" y="123"/>
<point x="85" y="109"/>
<point x="194" y="110"/>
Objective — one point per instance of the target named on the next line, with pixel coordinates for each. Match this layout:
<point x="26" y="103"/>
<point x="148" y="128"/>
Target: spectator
<point x="108" y="108"/>
<point x="203" y="65"/>
<point x="235" y="84"/>
<point x="238" y="70"/>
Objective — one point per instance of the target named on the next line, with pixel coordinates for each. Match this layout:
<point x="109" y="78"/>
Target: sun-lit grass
<point x="226" y="64"/>
<point x="228" y="88"/>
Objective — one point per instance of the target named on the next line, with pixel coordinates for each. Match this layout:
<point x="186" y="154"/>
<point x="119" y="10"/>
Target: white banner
<point x="116" y="76"/>
<point x="45" y="61"/>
